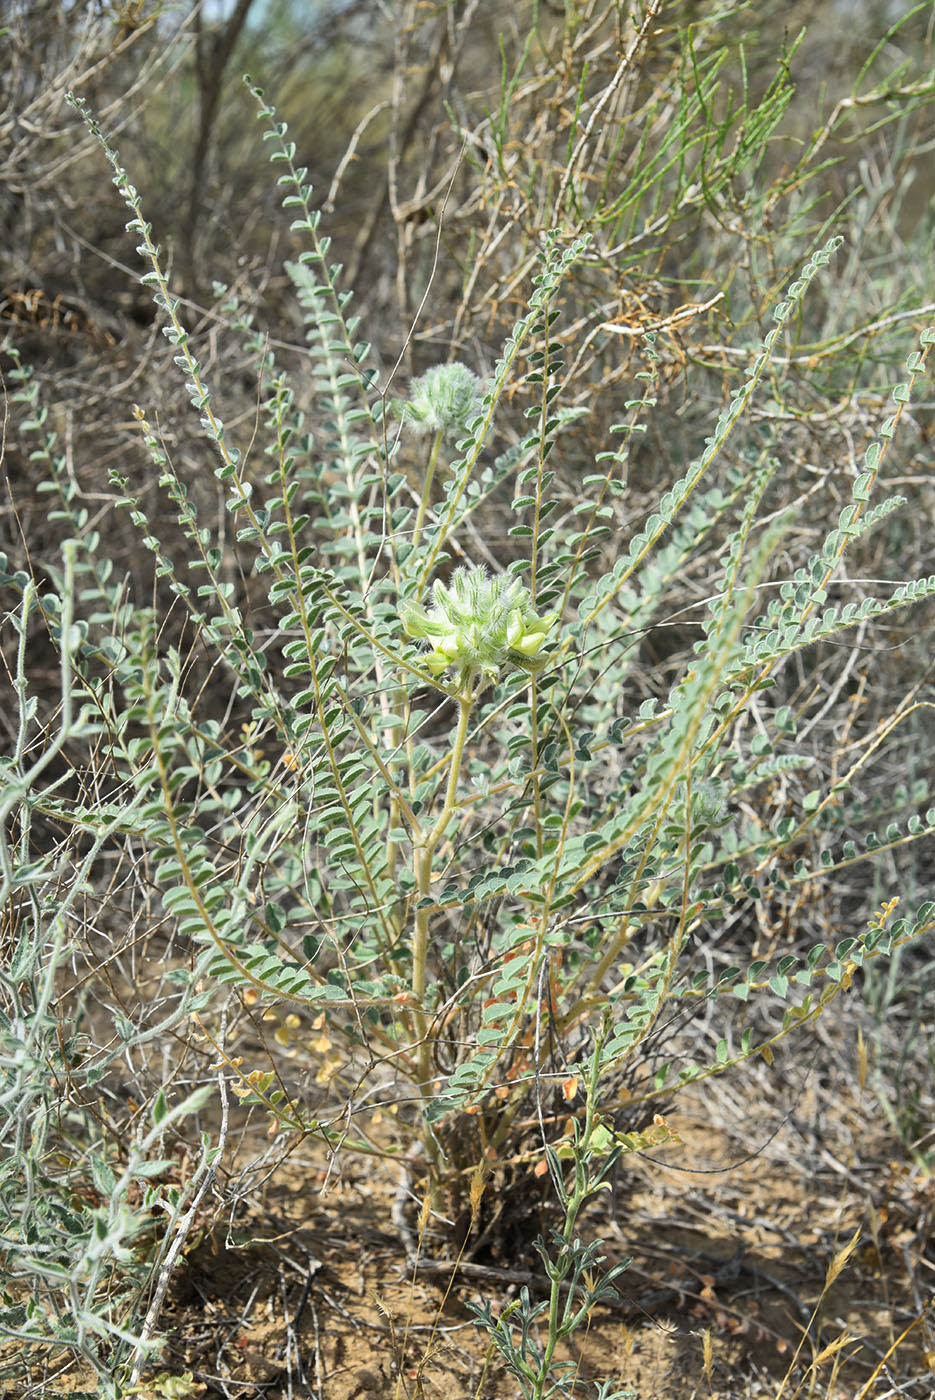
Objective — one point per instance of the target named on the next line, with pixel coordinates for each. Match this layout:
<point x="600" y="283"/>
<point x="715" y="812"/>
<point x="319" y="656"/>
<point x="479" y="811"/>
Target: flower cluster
<point x="446" y="399"/>
<point x="480" y="626"/>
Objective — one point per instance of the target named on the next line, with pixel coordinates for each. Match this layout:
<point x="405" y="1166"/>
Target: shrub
<point x="445" y="853"/>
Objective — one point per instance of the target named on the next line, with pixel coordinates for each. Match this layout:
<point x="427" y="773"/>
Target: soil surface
<point x="733" y="1237"/>
<point x="785" y="1248"/>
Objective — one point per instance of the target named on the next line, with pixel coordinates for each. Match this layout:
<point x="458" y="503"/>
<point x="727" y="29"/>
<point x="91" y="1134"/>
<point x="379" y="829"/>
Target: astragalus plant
<point x="468" y="881"/>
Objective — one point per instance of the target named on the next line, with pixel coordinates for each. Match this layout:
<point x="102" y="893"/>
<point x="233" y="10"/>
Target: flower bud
<point x="446" y="399"/>
<point x="480" y="626"/>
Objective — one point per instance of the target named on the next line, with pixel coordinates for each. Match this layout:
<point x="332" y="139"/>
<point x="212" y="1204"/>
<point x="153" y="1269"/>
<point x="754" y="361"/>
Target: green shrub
<point x="464" y="873"/>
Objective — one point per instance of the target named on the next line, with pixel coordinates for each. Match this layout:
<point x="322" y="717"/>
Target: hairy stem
<point x="573" y="1203"/>
<point x="426" y="496"/>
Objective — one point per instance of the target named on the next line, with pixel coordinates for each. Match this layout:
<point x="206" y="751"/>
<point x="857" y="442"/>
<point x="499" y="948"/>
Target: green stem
<point x="426" y="496"/>
<point x="573" y="1205"/>
<point x="396" y="738"/>
<point x="424" y="858"/>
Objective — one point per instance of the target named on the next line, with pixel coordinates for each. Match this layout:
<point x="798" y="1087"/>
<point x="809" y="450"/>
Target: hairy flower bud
<point x="446" y="399"/>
